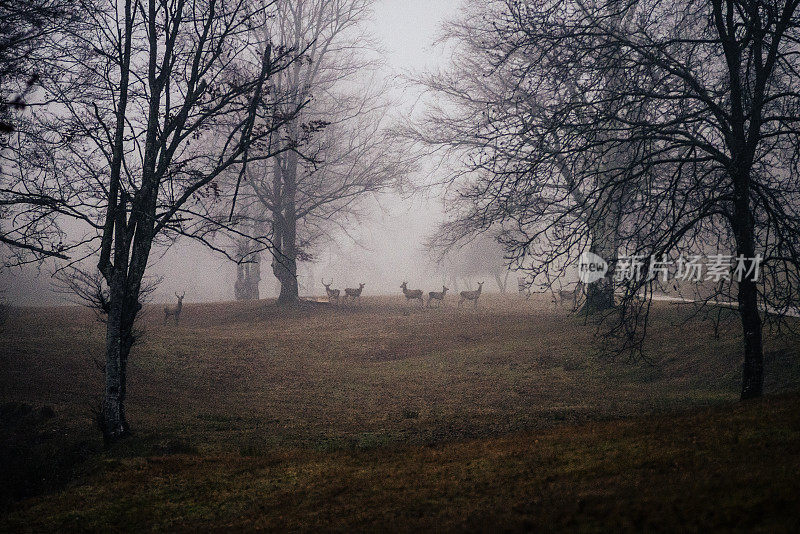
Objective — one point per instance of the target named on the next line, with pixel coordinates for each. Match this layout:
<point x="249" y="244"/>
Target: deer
<point x="437" y="295"/>
<point x="471" y="295"/>
<point x="354" y="293"/>
<point x="567" y="295"/>
<point x="412" y="294"/>
<point x="174" y="311"/>
<point x="333" y="294"/>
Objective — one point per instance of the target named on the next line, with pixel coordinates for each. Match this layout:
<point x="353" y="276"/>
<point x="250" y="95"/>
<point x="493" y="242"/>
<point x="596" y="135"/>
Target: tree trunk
<point x="284" y="264"/>
<point x="113" y="422"/>
<point x="253" y="278"/>
<point x="124" y="288"/>
<point x="502" y="281"/>
<point x="604" y="229"/>
<point x="744" y="230"/>
<point x="123" y="308"/>
<point x="600" y="294"/>
<point x="753" y="368"/>
<point x="248" y="272"/>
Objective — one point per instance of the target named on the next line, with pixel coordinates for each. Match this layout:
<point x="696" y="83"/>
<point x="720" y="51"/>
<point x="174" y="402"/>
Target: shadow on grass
<point x="39" y="455"/>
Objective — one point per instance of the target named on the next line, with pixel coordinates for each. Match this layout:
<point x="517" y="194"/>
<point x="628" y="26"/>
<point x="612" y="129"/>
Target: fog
<point x="381" y="250"/>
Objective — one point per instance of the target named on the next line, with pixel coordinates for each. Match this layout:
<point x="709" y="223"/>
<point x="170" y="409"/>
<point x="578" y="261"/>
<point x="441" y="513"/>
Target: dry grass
<point x="365" y="415"/>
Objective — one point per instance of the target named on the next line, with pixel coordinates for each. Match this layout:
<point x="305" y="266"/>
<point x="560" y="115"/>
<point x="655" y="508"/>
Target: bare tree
<point x="25" y="26"/>
<point x="87" y="287"/>
<point x="336" y="150"/>
<point x="466" y="257"/>
<point x="692" y="148"/>
<point x="156" y="100"/>
<point x="27" y="209"/>
<point x="475" y="119"/>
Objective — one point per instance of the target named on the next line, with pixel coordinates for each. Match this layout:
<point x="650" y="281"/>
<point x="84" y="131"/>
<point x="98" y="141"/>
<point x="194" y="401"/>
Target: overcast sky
<point x="387" y="249"/>
<point x="407" y="29"/>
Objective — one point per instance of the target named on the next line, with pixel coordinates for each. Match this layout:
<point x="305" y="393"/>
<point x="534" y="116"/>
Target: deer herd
<point x="354" y="294"/>
<point x="438" y="296"/>
<point x="412" y="295"/>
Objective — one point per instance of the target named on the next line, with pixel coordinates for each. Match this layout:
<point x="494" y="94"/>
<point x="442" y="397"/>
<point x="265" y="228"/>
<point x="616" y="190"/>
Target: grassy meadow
<point x="380" y="416"/>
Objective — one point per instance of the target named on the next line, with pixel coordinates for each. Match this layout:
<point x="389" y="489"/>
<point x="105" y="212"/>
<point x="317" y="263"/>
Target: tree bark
<point x="123" y="309"/>
<point x="284" y="263"/>
<point x="744" y="230"/>
<point x="753" y="368"/>
<point x="600" y="294"/>
<point x="248" y="272"/>
<point x="113" y="422"/>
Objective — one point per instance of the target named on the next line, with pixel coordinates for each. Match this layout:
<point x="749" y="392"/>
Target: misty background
<point x="384" y="248"/>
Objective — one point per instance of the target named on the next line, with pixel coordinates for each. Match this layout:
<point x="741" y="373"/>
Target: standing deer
<point x="437" y="295"/>
<point x="569" y="295"/>
<point x="412" y="294"/>
<point x="354" y="293"/>
<point x="333" y="294"/>
<point x="471" y="295"/>
<point x="176" y="311"/>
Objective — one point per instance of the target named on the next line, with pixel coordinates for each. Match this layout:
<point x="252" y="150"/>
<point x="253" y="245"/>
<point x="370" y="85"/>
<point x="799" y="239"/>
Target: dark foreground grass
<point x="380" y="416"/>
<point x="732" y="468"/>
